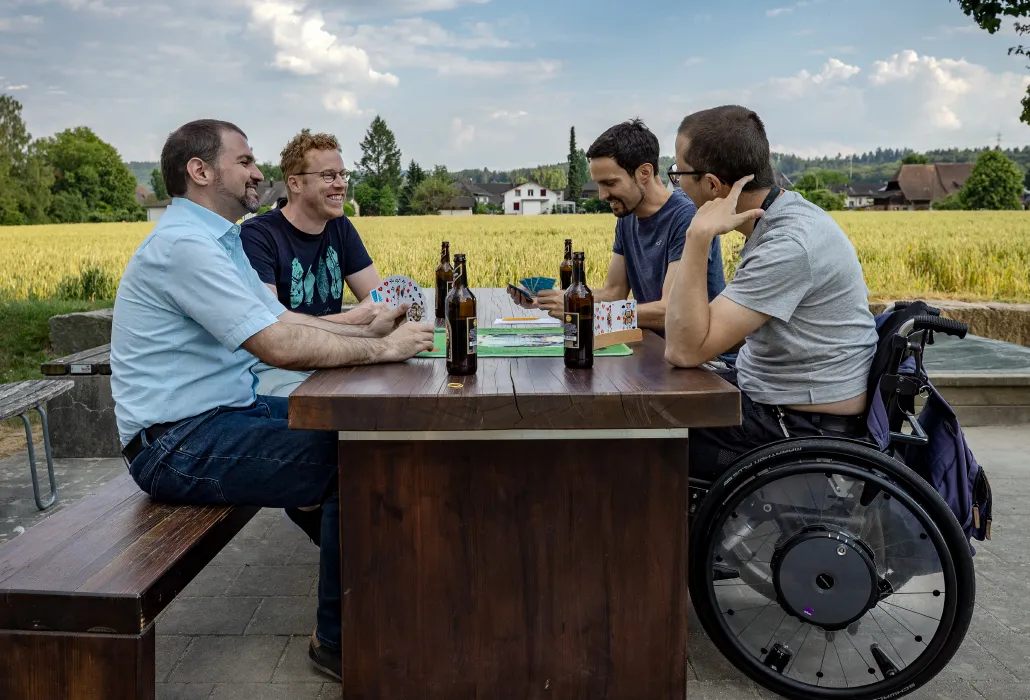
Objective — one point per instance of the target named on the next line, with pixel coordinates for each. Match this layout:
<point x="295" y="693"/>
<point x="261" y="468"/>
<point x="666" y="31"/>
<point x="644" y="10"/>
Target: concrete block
<point x="82" y="422"/>
<point x="75" y="332"/>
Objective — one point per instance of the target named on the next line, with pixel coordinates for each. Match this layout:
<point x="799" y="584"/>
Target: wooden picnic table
<point x="522" y="536"/>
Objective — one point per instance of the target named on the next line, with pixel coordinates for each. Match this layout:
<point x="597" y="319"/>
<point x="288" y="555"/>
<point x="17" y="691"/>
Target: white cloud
<point x="943" y="83"/>
<point x="12" y="88"/>
<point x="505" y="114"/>
<point x="695" y="61"/>
<point x="461" y="133"/>
<point x="343" y="102"/>
<point x="305" y="47"/>
<point x="777" y="11"/>
<point x="833" y="73"/>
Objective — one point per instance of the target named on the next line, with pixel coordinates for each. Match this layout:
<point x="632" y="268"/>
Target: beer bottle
<point x="565" y="269"/>
<point x="579" y="319"/>
<point x="444" y="279"/>
<point x="461" y="322"/>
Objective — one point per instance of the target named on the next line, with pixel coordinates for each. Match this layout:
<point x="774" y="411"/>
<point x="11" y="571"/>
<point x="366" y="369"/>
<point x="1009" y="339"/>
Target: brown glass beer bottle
<point x="565" y="269"/>
<point x="461" y="322"/>
<point x="444" y="279"/>
<point x="579" y="319"/>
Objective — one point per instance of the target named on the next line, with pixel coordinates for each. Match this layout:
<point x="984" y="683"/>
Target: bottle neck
<point x="577" y="272"/>
<point x="568" y="250"/>
<point x="460" y="276"/>
<point x="445" y="254"/>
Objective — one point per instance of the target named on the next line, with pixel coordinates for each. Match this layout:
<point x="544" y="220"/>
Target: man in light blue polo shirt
<point x="191" y="319"/>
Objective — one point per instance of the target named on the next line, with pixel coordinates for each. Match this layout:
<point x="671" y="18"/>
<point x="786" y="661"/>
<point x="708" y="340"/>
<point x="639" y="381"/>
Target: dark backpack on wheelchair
<point x="831" y="567"/>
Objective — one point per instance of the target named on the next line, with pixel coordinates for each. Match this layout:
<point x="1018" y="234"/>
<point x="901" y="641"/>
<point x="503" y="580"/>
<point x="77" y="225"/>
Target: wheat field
<point x="957" y="255"/>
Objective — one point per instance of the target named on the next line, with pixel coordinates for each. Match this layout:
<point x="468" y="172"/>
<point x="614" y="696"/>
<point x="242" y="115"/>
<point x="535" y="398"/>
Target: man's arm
<point x="616" y="288"/>
<point x="304" y="347"/>
<point x="696" y="331"/>
<point x="362" y="283"/>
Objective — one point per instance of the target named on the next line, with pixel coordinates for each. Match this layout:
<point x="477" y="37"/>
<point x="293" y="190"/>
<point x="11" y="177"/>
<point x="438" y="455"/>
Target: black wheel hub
<point x="825" y="577"/>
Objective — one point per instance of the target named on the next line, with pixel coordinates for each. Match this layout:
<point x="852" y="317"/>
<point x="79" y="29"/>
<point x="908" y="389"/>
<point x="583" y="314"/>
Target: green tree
<point x="386" y="202"/>
<point x="25" y="178"/>
<point x="949" y="203"/>
<point x="381" y="158"/>
<point x="988" y="15"/>
<point x="915" y="159"/>
<point x="576" y="177"/>
<point x="88" y="168"/>
<point x="415" y="176"/>
<point x="270" y="171"/>
<point x="825" y="199"/>
<point x="433" y="194"/>
<point x="819" y="179"/>
<point x="157" y="184"/>
<point x="994" y="183"/>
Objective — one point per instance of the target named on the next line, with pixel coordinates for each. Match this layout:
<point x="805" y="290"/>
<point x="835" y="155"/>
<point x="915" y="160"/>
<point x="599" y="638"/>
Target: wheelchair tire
<point x="809" y="457"/>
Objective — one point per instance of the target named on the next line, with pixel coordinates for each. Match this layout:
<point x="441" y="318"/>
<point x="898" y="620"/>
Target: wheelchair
<point x="825" y="567"/>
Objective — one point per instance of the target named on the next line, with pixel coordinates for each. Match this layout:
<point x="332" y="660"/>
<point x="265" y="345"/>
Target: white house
<point x="530" y="198"/>
<point x="155" y="208"/>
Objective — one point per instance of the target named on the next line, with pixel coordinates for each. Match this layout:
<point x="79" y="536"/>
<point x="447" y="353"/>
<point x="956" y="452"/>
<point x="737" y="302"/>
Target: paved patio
<point x="240" y="630"/>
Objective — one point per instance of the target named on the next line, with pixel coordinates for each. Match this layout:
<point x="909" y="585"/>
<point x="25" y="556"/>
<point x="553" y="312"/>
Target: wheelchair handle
<point x="947" y="326"/>
<point x="898" y="306"/>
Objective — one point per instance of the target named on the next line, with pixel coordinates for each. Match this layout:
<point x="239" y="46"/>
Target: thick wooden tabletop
<point x="641" y="391"/>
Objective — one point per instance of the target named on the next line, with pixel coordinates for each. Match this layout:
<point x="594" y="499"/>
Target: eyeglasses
<point x="330" y="175"/>
<point x="674" y="175"/>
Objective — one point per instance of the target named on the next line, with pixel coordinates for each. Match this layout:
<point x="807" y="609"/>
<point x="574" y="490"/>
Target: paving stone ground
<point x="240" y="630"/>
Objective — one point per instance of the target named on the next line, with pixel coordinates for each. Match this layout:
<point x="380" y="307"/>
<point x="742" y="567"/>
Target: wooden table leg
<point x="514" y="569"/>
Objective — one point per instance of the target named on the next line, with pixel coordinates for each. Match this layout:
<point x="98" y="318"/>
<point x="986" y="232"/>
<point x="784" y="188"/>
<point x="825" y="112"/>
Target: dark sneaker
<point x="325" y="660"/>
<point x="309" y="522"/>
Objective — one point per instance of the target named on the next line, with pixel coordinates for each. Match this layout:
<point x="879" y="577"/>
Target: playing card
<point x="618" y="315"/>
<point x="630" y="318"/>
<point x="400" y="289"/>
<point x="602" y="317"/>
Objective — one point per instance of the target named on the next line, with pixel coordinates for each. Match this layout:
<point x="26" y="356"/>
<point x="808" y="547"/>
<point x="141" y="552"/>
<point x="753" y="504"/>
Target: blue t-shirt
<point x="307" y="270"/>
<point x="649" y="246"/>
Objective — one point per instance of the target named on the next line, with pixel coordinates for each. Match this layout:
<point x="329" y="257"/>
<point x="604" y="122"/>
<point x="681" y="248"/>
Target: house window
<point x="531" y="193"/>
<point x="543" y="193"/>
<point x="518" y="193"/>
<point x="516" y="206"/>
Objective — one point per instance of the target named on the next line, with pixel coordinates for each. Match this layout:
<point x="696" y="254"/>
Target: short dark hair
<point x="197" y="139"/>
<point x="630" y="143"/>
<point x="730" y="143"/>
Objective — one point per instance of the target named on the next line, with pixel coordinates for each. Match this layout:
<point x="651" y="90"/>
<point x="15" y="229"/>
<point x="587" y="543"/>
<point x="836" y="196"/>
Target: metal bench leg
<point x="32" y="460"/>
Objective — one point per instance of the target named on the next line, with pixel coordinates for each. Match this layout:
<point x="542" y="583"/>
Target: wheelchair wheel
<point x="822" y="568"/>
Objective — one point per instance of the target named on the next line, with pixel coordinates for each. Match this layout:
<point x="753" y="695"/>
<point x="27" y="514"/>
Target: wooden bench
<point x="79" y="592"/>
<point x="83" y="420"/>
<point x="18" y="399"/>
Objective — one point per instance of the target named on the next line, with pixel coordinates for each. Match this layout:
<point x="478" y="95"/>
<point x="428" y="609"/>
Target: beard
<point x="625" y="210"/>
<point x="247" y="200"/>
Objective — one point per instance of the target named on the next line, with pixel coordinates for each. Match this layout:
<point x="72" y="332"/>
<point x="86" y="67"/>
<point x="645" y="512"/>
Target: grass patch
<point x="25" y="334"/>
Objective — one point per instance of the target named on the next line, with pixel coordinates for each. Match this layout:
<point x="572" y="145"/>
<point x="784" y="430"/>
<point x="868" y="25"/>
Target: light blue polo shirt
<point x="187" y="301"/>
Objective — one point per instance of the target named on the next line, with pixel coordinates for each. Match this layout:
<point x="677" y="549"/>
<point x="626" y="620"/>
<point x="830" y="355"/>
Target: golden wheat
<point x="960" y="255"/>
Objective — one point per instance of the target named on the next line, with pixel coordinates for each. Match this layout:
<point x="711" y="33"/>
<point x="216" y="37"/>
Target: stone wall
<point x="72" y="333"/>
<point x="1009" y="323"/>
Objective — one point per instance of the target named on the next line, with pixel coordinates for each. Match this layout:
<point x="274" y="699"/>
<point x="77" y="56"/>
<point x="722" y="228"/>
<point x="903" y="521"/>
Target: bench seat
<point x="80" y="591"/>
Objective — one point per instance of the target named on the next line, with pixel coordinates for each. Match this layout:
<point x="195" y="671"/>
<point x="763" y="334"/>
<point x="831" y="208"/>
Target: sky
<point x="485" y="83"/>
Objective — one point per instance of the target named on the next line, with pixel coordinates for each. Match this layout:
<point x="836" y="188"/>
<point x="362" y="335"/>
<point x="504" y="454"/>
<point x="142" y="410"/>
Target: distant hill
<point x="142" y="170"/>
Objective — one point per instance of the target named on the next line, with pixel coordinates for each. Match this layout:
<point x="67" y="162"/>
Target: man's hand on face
<point x="719" y="216"/>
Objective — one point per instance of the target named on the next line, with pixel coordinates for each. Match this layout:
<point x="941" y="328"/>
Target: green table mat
<point x="487" y="349"/>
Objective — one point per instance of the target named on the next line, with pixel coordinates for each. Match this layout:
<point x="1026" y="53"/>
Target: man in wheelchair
<point x="798" y="296"/>
<point x="829" y="557"/>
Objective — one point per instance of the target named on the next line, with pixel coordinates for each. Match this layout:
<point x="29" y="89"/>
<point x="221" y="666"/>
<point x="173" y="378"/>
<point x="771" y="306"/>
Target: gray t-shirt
<point x="800" y="268"/>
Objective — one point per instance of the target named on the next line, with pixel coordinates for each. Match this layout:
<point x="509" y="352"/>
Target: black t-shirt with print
<point x="307" y="270"/>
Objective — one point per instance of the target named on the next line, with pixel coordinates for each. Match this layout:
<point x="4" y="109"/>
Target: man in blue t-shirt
<point x="650" y="230"/>
<point x="306" y="249"/>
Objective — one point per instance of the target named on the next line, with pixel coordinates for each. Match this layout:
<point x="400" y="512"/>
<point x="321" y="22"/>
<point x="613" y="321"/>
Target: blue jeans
<point x="249" y="457"/>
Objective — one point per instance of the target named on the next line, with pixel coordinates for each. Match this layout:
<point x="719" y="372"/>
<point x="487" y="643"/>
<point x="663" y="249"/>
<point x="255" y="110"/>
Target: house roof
<point x="463" y="203"/>
<point x="923" y="183"/>
<point x="495" y="187"/>
<point x="155" y="203"/>
<point x="270" y="191"/>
